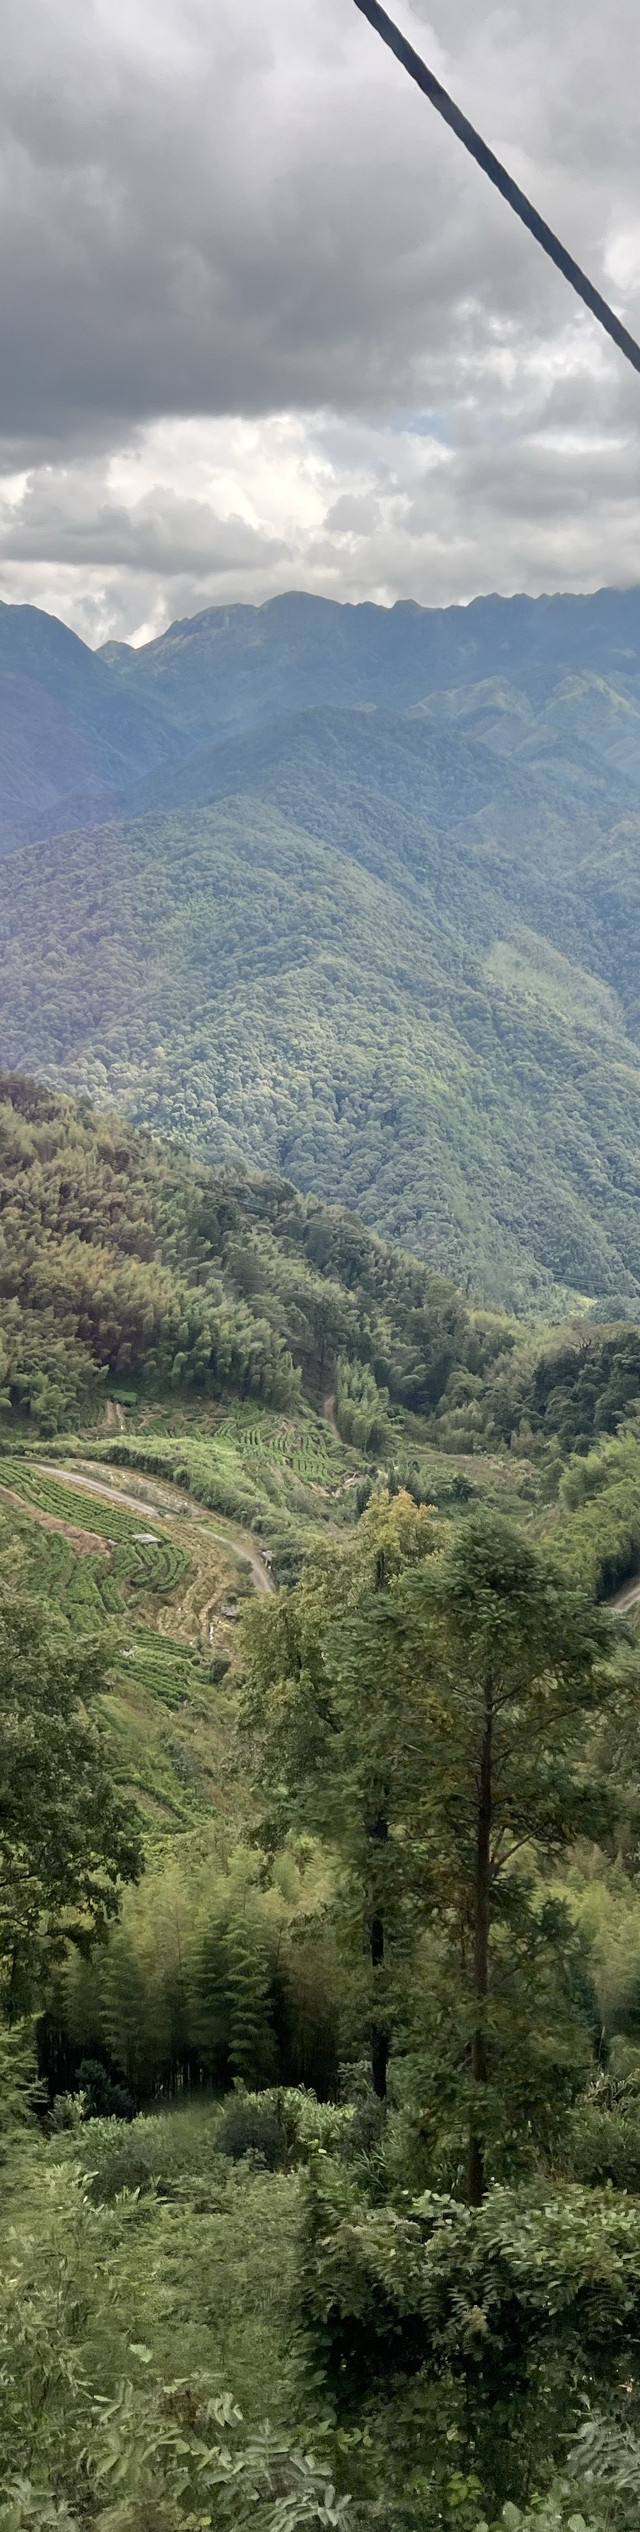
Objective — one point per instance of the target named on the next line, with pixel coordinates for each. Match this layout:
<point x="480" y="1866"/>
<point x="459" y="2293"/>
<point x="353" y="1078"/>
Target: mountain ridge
<point x="114" y="714"/>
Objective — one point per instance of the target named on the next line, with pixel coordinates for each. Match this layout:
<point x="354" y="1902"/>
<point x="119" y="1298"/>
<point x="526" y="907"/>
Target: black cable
<point x="497" y="174"/>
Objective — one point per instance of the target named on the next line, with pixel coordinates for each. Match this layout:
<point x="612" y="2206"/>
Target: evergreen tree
<point x="424" y="1701"/>
<point x="328" y="1746"/>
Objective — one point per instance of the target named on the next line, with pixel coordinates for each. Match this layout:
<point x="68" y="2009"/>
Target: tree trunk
<point x="379" y="2036"/>
<point x="379" y="2063"/>
<point x="379" y="1829"/>
<point x="481" y="1935"/>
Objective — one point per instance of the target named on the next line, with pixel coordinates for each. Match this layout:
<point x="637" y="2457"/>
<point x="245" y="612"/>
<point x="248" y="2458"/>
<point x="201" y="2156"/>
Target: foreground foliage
<point x="424" y="1706"/>
<point x="67" y="1839"/>
<point x="335" y="2121"/>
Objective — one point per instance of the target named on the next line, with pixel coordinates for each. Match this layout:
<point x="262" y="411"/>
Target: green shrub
<point x="604" y="2135"/>
<point x="475" y="2291"/>
<point x="288" y="2126"/>
<point x="252" y="2126"/>
<point x="104" y="2099"/>
<point x="126" y="2167"/>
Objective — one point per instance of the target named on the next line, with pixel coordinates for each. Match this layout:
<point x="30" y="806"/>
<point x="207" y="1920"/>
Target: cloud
<point x="202" y="512"/>
<point x="263" y="322"/>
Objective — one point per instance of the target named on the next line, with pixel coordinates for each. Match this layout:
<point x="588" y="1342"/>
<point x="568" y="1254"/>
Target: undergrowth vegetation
<point x="319" y="1817"/>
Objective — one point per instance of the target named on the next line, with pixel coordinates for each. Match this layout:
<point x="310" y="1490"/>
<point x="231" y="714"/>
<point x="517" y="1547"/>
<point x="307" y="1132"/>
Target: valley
<point x="319" y="1268"/>
<point x="367" y="920"/>
<point x="319" y="1596"/>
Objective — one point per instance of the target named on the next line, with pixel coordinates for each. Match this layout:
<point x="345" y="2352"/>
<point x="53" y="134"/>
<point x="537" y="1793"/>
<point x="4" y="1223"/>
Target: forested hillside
<point x="131" y="1274"/>
<point x="408" y="1043"/>
<point x="319" y="1924"/>
<point x="367" y="917"/>
<point x="70" y="743"/>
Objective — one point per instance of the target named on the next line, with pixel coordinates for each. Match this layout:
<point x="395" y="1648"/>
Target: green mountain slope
<point x="235" y="1349"/>
<point x="79" y="731"/>
<point x="72" y="739"/>
<point x="368" y="916"/>
<point x="396" y="1037"/>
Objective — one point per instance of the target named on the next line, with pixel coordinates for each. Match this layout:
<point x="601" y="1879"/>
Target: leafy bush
<point x="126" y="2167"/>
<point x="447" y="2287"/>
<point x="288" y="2127"/>
<point x="104" y="2099"/>
<point x="604" y="2137"/>
<point x="28" y="2509"/>
<point x="184" y="2446"/>
<point x="251" y="2125"/>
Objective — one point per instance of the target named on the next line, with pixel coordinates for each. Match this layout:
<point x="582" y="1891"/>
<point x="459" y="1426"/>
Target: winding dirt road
<point x="158" y="1511"/>
<point x="627" y="1598"/>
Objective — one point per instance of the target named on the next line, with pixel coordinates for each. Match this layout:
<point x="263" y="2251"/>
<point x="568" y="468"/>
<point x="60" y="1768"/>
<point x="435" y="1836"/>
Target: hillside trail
<point x="627" y="1598"/>
<point x="162" y="1509"/>
<point x="114" y="1417"/>
<point x="85" y="1542"/>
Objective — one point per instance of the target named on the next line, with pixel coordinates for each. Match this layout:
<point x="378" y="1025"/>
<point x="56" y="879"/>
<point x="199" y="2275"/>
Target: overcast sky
<point x="263" y="325"/>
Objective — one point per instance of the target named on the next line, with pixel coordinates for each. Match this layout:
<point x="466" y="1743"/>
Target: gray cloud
<point x="248" y="219"/>
<point x="68" y="517"/>
<point x="229" y="212"/>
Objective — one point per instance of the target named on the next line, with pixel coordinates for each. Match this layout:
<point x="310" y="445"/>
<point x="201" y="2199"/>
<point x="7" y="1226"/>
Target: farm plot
<point x="303" y="1447"/>
<point x="255" y="1464"/>
<point x="168" y="1727"/>
<point x="138" y="1564"/>
<point x="166" y="1715"/>
<point x="260" y="1467"/>
<point x="47" y="1564"/>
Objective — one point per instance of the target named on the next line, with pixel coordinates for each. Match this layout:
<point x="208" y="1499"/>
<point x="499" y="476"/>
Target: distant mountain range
<point x="80" y="727"/>
<point x="351" y="893"/>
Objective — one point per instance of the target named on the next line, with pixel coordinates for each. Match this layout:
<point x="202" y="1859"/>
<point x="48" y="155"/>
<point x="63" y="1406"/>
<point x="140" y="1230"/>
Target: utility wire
<point x="465" y="132"/>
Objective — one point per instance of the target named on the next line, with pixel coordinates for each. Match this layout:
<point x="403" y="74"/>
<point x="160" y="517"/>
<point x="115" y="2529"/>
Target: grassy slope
<point x="175" y="1647"/>
<point x="170" y="1711"/>
<point x="165" y="1717"/>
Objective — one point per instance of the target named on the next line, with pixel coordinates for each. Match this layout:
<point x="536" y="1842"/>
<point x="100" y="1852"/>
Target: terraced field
<point x="169" y="1599"/>
<point x="302" y="1447"/>
<point x="284" y="1477"/>
<point x="168" y="1718"/>
<point x="162" y="1525"/>
<point x="137" y="1563"/>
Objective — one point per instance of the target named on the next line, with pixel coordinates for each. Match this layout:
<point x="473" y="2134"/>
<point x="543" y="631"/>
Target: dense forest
<point x="319" y="1913"/>
<point x="349" y="894"/>
<point x="399" y="1039"/>
<point x="122" y="1259"/>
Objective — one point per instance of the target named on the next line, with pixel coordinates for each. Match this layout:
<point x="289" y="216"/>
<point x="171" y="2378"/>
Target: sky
<point x="265" y="326"/>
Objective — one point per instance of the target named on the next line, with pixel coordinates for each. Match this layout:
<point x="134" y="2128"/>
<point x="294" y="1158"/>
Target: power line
<point x="465" y="132"/>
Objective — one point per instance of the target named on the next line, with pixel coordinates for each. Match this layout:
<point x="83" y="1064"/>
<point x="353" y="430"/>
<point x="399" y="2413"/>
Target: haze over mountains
<point x="351" y="893"/>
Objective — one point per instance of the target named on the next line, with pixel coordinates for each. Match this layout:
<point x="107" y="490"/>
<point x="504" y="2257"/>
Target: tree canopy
<point x="424" y="1705"/>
